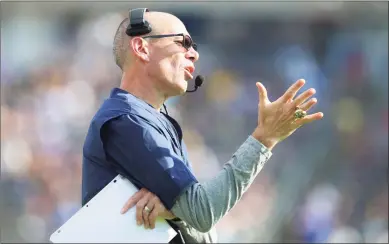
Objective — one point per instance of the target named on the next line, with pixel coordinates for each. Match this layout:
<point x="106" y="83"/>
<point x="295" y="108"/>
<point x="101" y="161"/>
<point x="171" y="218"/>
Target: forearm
<point x="203" y="205"/>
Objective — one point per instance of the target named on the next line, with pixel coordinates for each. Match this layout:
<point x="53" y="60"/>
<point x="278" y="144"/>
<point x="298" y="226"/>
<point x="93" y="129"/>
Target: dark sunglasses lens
<point x="189" y="43"/>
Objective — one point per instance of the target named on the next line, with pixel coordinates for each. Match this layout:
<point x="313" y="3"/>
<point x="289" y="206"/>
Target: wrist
<point x="265" y="140"/>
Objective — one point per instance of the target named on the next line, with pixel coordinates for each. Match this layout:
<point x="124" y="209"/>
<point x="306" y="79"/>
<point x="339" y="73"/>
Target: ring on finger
<point x="299" y="113"/>
<point x="147" y="209"/>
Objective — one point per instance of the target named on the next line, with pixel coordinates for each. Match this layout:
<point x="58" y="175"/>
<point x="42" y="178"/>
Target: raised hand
<point x="277" y="120"/>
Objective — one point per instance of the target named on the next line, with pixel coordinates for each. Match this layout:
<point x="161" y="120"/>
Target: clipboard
<point x="100" y="220"/>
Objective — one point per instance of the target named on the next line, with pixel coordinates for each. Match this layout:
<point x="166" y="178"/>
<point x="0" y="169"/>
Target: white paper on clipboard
<point x="100" y="220"/>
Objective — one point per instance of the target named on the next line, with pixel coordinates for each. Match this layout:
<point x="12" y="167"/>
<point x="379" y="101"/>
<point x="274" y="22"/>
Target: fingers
<point x="146" y="213"/>
<point x="155" y="212"/>
<point x="140" y="207"/>
<point x="143" y="198"/>
<point x="309" y="118"/>
<point x="304" y="96"/>
<point x="263" y="98"/>
<point x="133" y="200"/>
<point x="292" y="91"/>
<point x="153" y="217"/>
<point x="308" y="105"/>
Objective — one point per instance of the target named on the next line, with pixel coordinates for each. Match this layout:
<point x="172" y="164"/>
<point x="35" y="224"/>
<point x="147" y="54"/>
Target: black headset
<point x="138" y="25"/>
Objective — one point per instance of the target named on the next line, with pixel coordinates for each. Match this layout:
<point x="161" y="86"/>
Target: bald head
<point x="161" y="23"/>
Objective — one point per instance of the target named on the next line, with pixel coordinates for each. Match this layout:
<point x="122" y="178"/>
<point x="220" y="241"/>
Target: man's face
<point x="171" y="64"/>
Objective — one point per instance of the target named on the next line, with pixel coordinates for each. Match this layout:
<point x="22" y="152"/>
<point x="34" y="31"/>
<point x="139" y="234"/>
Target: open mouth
<point x="190" y="69"/>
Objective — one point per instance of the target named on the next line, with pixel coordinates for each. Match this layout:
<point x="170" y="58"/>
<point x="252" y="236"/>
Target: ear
<point x="140" y="48"/>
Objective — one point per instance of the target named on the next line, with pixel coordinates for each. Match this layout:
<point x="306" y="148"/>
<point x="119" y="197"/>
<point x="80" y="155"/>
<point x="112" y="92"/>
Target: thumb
<point x="263" y="99"/>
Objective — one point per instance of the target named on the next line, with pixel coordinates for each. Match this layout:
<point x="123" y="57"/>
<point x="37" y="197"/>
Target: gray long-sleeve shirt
<point x="202" y="205"/>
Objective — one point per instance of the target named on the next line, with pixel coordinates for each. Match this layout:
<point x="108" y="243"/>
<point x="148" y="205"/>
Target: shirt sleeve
<point x="146" y="156"/>
<point x="203" y="205"/>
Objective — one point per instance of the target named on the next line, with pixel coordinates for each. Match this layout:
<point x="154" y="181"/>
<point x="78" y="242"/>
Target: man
<point x="131" y="136"/>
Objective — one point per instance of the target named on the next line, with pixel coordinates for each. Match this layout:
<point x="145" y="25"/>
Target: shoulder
<point x="134" y="127"/>
<point x="133" y="121"/>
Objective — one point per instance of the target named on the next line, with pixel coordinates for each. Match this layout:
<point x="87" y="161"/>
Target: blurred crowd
<point x="326" y="183"/>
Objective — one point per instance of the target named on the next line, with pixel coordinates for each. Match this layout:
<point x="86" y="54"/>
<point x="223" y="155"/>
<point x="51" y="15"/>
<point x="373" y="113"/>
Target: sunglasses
<point x="186" y="42"/>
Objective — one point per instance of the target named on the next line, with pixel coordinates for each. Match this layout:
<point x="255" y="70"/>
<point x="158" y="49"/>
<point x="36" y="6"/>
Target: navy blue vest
<point x="97" y="170"/>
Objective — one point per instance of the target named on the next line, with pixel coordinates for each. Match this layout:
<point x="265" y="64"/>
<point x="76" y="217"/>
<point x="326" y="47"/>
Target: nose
<point x="192" y="54"/>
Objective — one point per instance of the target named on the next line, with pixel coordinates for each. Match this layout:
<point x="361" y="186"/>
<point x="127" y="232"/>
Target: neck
<point x="142" y="87"/>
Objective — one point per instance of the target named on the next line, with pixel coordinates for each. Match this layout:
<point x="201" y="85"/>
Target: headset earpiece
<point x="138" y="25"/>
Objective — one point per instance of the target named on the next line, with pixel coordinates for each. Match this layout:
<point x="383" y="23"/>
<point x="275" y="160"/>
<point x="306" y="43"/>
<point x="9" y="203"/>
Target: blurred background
<point x="328" y="182"/>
